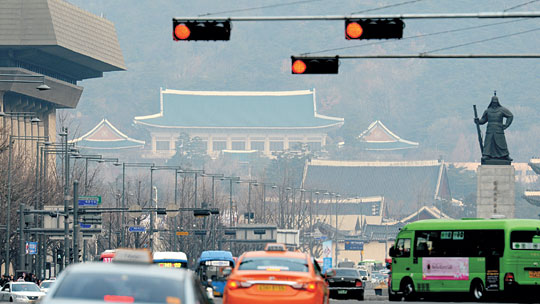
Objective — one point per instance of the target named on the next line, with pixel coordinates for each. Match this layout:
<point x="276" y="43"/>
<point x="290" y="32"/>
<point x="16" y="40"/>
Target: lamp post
<point x="12" y="139"/>
<point x="123" y="217"/>
<point x="212" y="224"/>
<point x="263" y="202"/>
<point x="230" y="179"/>
<point x="249" y="182"/>
<point x="26" y="78"/>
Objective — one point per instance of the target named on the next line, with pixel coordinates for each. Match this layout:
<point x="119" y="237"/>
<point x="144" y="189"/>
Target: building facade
<point x="237" y="121"/>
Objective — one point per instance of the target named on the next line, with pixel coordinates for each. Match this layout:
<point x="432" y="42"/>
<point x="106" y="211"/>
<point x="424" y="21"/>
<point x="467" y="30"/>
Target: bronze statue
<point x="494" y="150"/>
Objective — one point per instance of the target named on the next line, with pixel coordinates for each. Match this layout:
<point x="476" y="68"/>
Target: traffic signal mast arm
<point x="391" y="16"/>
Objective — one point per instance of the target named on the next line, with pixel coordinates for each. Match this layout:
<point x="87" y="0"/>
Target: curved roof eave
<point x="337" y="124"/>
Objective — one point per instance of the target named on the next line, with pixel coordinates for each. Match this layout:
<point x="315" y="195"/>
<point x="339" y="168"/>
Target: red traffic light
<point x="353" y="30"/>
<point x="314" y="65"/>
<point x="204" y="30"/>
<point x="374" y="28"/>
<point x="181" y="31"/>
<point x="298" y="66"/>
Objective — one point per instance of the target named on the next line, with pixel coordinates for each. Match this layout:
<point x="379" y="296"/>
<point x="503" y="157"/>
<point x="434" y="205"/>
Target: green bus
<point x="476" y="256"/>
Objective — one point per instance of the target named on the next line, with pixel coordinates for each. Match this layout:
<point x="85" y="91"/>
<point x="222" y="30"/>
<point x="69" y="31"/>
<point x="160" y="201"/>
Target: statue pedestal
<point x="495" y="195"/>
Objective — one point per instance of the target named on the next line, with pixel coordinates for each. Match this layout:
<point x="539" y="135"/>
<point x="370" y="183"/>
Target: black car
<point x="346" y="283"/>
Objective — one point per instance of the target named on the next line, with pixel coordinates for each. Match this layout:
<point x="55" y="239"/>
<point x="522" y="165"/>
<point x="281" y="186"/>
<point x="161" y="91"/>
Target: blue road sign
<point x="85" y="225"/>
<point x="354" y="245"/>
<point x="89" y="200"/>
<point x="31" y="247"/>
<point x="137" y="229"/>
<point x="327" y="264"/>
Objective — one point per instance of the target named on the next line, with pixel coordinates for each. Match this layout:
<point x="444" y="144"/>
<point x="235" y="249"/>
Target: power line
<point x="259" y="7"/>
<point x="418" y="36"/>
<point x="387" y="6"/>
<point x="483" y="40"/>
<point x="520" y="5"/>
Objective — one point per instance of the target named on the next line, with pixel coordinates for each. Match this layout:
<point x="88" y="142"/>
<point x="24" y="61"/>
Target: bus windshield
<point x="212" y="263"/>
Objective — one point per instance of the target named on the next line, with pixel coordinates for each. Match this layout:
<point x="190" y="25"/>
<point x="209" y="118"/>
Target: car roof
<point x="287" y="254"/>
<point x="128" y="268"/>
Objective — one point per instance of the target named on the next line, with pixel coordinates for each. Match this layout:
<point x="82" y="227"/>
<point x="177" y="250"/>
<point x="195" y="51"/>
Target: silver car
<point x="99" y="282"/>
<point x="23" y="292"/>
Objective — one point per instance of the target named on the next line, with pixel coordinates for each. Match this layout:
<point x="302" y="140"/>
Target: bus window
<point x="459" y="243"/>
<point x="525" y="240"/>
<point x="403" y="248"/>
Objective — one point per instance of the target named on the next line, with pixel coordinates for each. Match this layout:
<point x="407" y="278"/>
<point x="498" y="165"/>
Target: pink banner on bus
<point x="445" y="268"/>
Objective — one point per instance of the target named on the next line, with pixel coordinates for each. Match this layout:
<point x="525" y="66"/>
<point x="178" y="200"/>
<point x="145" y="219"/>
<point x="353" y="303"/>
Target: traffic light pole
<point x="76" y="226"/>
<point x="485" y="15"/>
<point x="433" y="56"/>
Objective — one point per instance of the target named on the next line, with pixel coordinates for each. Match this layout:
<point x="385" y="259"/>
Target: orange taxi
<point x="276" y="274"/>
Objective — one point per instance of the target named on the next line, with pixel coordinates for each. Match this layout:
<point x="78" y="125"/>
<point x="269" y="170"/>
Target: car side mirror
<point x="329" y="273"/>
<point x="227" y="271"/>
<point x="364" y="278"/>
<point x="392" y="252"/>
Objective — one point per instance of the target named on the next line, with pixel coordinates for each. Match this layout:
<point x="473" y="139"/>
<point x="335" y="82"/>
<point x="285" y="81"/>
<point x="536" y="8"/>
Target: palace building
<point x="237" y="121"/>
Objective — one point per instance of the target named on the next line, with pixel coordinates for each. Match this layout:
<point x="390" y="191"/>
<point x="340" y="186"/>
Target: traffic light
<point x="185" y="30"/>
<point x="59" y="255"/>
<point x="374" y="28"/>
<point x="314" y="65"/>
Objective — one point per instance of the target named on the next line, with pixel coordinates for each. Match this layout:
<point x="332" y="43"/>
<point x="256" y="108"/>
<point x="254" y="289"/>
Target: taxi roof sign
<point x="275" y="247"/>
<point x="143" y="256"/>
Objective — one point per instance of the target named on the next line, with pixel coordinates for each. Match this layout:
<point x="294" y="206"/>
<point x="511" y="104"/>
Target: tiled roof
<point x="370" y="209"/>
<point x="379" y="137"/>
<point x="403" y="183"/>
<point x="533" y="197"/>
<point x="426" y="212"/>
<point x="239" y="110"/>
<point x="381" y="232"/>
<point x="535" y="165"/>
<point x="104" y="136"/>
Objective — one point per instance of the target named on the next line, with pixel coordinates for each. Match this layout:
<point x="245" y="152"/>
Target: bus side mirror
<point x="392" y="252"/>
<point x="227" y="271"/>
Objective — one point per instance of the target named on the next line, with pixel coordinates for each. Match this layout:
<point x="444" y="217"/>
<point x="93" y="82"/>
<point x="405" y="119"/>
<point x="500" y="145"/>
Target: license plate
<point x="535" y="274"/>
<point x="342" y="291"/>
<point x="271" y="288"/>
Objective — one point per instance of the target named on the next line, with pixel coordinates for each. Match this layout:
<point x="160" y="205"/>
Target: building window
<point x="276" y="146"/>
<point x="238" y="145"/>
<point x="257" y="145"/>
<point x="204" y="145"/>
<point x="295" y="145"/>
<point x="219" y="145"/>
<point x="163" y="145"/>
<point x="314" y="146"/>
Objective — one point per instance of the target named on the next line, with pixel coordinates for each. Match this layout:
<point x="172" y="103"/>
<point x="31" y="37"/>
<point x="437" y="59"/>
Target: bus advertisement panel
<point x="476" y="256"/>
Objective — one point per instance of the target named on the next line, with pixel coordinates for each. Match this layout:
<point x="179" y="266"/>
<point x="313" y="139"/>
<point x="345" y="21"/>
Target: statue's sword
<point x="478" y="131"/>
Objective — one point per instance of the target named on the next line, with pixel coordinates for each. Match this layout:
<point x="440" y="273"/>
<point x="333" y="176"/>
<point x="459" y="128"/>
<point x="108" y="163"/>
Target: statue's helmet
<point x="494" y="102"/>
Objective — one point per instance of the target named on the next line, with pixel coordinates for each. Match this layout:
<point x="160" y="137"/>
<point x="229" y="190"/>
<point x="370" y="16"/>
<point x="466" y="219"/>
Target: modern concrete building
<point x="237" y="121"/>
<point x="57" y="44"/>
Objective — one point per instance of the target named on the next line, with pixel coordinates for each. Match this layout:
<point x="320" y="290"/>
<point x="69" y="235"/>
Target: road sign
<point x="31" y="247"/>
<point x="184" y="233"/>
<point x="85" y="225"/>
<point x="89" y="200"/>
<point x="354" y="245"/>
<point x="137" y="229"/>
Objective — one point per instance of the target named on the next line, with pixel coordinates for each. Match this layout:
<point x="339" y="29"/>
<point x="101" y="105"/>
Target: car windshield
<point x="274" y="264"/>
<point x="121" y="288"/>
<point x="46" y="284"/>
<point x="363" y="273"/>
<point x="25" y="287"/>
<point x="346" y="273"/>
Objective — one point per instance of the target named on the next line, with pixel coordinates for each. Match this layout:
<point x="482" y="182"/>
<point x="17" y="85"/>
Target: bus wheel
<point x="478" y="291"/>
<point x="407" y="287"/>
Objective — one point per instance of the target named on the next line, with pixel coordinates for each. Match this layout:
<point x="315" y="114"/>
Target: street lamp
<point x="230" y="179"/>
<point x="249" y="182"/>
<point x="131" y="165"/>
<point x="12" y="139"/>
<point x="25" y="78"/>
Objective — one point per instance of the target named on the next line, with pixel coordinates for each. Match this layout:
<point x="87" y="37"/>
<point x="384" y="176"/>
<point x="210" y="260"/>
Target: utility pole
<point x="76" y="225"/>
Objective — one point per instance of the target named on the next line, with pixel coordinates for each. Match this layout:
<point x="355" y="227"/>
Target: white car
<point x="23" y="292"/>
<point x="45" y="285"/>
